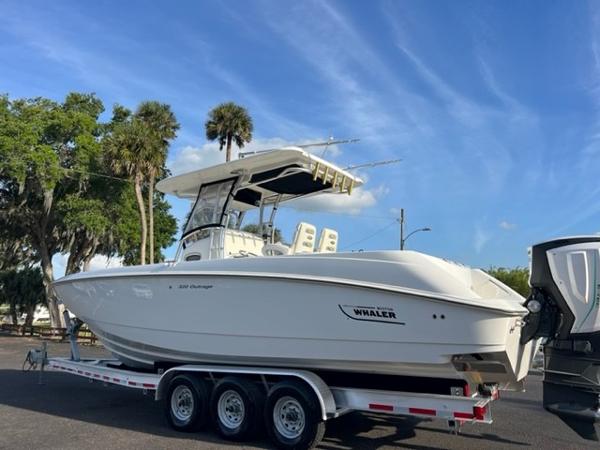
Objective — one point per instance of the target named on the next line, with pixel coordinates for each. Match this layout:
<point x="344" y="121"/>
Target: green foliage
<point x="127" y="236"/>
<point x="517" y="278"/>
<point x="57" y="186"/>
<point x="22" y="290"/>
<point x="137" y="149"/>
<point x="229" y="123"/>
<point x="255" y="229"/>
<point x="139" y="142"/>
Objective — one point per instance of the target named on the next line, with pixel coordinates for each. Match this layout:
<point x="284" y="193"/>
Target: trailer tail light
<point x="479" y="412"/>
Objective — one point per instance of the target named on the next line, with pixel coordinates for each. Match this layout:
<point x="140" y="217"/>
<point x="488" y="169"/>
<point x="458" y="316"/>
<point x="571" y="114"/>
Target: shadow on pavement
<point x="76" y="398"/>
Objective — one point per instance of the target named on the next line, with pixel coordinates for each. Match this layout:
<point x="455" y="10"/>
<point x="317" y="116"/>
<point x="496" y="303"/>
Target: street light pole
<point x="402" y="238"/>
<point x="401" y="228"/>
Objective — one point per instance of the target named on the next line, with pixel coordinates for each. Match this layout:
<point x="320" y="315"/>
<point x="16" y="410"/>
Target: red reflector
<point x="380" y="407"/>
<point x="463" y="415"/>
<point x="105" y="377"/>
<point x="148" y="385"/>
<point x="467" y="390"/>
<point x="117" y="380"/>
<point x="131" y="383"/>
<point x="479" y="412"/>
<point x="427" y="412"/>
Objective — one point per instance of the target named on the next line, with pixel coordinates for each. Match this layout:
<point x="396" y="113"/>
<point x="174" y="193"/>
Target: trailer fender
<point x="320" y="388"/>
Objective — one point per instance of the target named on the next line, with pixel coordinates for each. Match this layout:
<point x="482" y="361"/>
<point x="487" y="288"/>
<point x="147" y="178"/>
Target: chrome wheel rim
<point x="182" y="403"/>
<point x="230" y="409"/>
<point x="289" y="417"/>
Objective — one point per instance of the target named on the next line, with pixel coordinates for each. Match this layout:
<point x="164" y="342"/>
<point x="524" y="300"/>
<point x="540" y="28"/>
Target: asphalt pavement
<point x="68" y="412"/>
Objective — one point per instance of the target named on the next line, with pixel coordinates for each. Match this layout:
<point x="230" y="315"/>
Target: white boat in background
<point x="233" y="297"/>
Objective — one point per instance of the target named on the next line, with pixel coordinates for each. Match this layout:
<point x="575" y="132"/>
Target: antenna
<point x="312" y="144"/>
<point x="328" y="143"/>
<point x="374" y="164"/>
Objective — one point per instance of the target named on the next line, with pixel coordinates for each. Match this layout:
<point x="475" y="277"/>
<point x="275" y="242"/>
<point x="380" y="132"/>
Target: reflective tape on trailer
<point x="479" y="413"/>
<point x="472" y="408"/>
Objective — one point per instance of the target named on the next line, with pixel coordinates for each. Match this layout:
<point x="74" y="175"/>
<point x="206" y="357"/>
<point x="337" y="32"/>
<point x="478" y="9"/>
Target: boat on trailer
<point x="238" y="298"/>
<point x="248" y="330"/>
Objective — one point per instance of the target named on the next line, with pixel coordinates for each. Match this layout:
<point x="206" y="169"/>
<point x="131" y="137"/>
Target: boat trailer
<point x="304" y="390"/>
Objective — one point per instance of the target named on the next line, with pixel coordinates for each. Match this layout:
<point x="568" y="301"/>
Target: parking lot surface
<point x="68" y="412"/>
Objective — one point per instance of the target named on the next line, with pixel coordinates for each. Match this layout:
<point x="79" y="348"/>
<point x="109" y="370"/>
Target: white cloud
<point x="507" y="225"/>
<point x="191" y="158"/>
<point x="59" y="263"/>
<point x="99" y="262"/>
<point x="341" y="203"/>
<point x="480" y="238"/>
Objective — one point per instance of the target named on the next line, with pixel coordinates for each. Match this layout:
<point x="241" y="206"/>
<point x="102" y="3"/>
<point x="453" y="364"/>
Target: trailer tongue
<point x="565" y="309"/>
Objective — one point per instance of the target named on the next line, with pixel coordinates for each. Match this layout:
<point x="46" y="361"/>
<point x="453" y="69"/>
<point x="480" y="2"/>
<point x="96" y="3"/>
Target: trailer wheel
<point x="293" y="416"/>
<point x="186" y="403"/>
<point x="237" y="406"/>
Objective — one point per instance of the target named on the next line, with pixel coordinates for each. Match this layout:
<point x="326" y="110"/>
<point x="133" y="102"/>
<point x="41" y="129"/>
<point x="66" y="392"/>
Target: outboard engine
<point x="564" y="307"/>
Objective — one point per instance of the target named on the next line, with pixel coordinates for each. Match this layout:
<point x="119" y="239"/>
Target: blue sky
<point x="492" y="106"/>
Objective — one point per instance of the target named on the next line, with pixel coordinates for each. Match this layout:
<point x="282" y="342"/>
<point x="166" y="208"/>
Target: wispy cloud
<point x="333" y="48"/>
<point x="480" y="238"/>
<point x="505" y="225"/>
<point x="96" y="68"/>
<point x="354" y="204"/>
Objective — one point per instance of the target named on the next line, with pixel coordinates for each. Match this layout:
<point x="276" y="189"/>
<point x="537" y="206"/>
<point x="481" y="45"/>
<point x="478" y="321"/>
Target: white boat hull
<point x="285" y="312"/>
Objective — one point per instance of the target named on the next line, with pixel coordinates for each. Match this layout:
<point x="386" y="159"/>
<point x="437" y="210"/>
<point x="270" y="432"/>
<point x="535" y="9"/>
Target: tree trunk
<point x="87" y="260"/>
<point x="13" y="312"/>
<point x="140" y="201"/>
<point x="72" y="266"/>
<point x="151" y="217"/>
<point x="39" y="241"/>
<point x="30" y="313"/>
<point x="228" y="151"/>
<point x="48" y="277"/>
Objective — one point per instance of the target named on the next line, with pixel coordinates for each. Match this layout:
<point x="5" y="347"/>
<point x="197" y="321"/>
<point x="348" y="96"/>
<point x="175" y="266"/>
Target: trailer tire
<point x="293" y="416"/>
<point x="186" y="403"/>
<point x="236" y="408"/>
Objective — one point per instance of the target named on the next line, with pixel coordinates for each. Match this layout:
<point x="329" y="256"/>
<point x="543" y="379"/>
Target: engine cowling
<point x="565" y="309"/>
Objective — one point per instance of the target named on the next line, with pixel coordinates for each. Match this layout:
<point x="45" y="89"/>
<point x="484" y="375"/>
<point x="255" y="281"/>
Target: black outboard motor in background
<point x="564" y="307"/>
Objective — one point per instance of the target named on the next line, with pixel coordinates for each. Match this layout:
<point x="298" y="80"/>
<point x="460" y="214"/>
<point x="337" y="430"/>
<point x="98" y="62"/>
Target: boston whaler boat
<point x="233" y="297"/>
<point x="238" y="299"/>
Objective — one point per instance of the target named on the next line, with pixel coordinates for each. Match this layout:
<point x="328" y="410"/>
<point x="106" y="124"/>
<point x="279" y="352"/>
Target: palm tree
<point x="229" y="122"/>
<point x="162" y="126"/>
<point x="127" y="154"/>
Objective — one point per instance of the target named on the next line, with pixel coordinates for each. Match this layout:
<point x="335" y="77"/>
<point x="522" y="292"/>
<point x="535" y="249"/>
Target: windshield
<point x="209" y="206"/>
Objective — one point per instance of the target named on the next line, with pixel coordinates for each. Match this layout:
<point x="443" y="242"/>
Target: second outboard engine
<point x="564" y="307"/>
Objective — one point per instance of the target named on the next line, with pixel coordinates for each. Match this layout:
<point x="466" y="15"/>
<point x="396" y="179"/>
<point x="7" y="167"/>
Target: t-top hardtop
<point x="273" y="176"/>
